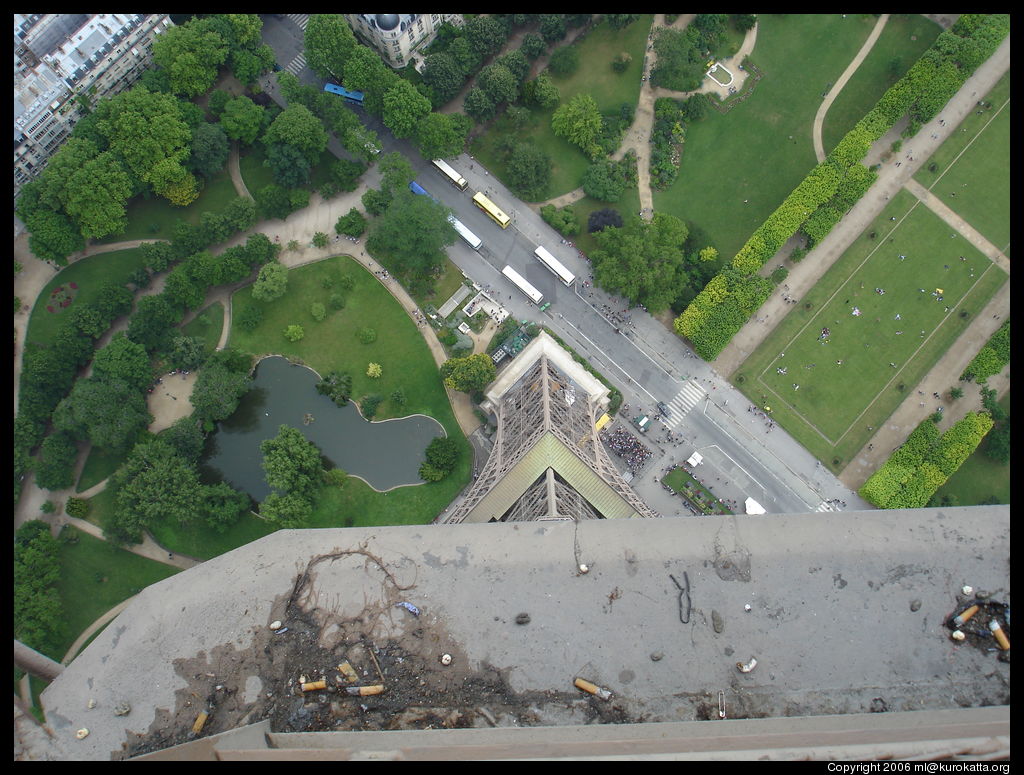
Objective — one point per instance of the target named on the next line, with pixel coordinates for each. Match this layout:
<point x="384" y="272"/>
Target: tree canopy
<point x="468" y="374"/>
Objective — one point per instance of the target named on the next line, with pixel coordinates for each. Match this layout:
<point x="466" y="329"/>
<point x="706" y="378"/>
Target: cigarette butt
<point x="312" y="686"/>
<point x="364" y="691"/>
<point x="589" y="688"/>
<point x="197" y="727"/>
<point x="349" y="672"/>
<point x="961" y="618"/>
<point x="999" y="635"/>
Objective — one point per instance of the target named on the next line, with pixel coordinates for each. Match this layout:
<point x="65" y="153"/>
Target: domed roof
<point x="387" y="21"/>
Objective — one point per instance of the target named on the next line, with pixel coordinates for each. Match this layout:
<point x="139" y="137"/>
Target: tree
<point x="186" y="438"/>
<point x="219" y="387"/>
<point x="578" y="121"/>
<point x="55" y="468"/>
<point x="533" y="46"/>
<point x="242" y="120"/>
<point x="271" y="283"/>
<point x="466" y="57"/>
<point x="564" y="61"/>
<point x="217" y="101"/>
<point x="478" y="105"/>
<point x="154" y="485"/>
<point x="618" y="21"/>
<point x="291" y="463"/>
<point x="87" y="319"/>
<point x="290" y="165"/>
<point x="96" y="195"/>
<point x="294" y="333"/>
<point x="603" y="219"/>
<point x="604" y="181"/>
<point x="544" y="92"/>
<point x="53" y="236"/>
<point x="222" y="505"/>
<point x="642" y="261"/>
<point x="485" y="34"/>
<point x="157" y="255"/>
<point x="376" y="202"/>
<point x="190" y="56"/>
<point x="956" y="393"/>
<point x="443" y="75"/>
<point x="351" y="224"/>
<point x="320" y="240"/>
<point x="247" y="66"/>
<point x="38" y="611"/>
<point x="468" y="374"/>
<point x="529" y="171"/>
<point x="404" y="108"/>
<point x="287" y="511"/>
<point x="439" y="137"/>
<point x="398" y="396"/>
<point x="744" y="21"/>
<point x="124" y="360"/>
<point x="499" y="83"/>
<point x="188" y="353"/>
<point x="108" y="413"/>
<point x="297" y="127"/>
<point x="552" y="26"/>
<point x="443" y="453"/>
<point x="329" y="43"/>
<point x="336" y="386"/>
<point x="374" y="371"/>
<point x="412" y="234"/>
<point x="708" y="254"/>
<point x="564" y="219"/>
<point x="395" y="172"/>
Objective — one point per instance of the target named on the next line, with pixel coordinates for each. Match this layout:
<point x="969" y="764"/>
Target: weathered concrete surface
<point x="830" y="623"/>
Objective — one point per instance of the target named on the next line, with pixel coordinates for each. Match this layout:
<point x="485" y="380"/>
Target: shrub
<point x="77" y="507"/>
<point x="366" y="335"/>
<point x="336" y="301"/>
<point x="250" y="318"/>
<point x="318" y="311"/>
<point x="374" y="371"/>
<point x="369" y="406"/>
<point x="294" y="333"/>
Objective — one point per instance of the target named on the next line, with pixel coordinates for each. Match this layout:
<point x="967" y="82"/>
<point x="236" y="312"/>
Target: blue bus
<point x="355" y="97"/>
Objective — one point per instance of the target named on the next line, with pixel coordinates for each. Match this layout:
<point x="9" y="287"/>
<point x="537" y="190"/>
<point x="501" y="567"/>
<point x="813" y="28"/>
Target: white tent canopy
<point x="753" y="507"/>
<point x="695" y="459"/>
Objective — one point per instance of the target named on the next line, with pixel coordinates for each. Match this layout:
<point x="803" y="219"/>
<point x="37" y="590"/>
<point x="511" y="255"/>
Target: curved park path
<point x="637" y="137"/>
<point x="803" y="276"/>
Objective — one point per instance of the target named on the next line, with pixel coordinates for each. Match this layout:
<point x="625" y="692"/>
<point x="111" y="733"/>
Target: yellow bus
<point x="491" y="209"/>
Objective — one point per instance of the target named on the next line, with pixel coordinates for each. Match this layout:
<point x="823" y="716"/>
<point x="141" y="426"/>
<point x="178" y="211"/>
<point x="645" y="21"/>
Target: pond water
<point x="386" y="454"/>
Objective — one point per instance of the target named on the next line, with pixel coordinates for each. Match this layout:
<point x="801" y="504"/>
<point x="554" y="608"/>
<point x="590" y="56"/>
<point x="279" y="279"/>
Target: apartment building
<point x="397" y="36"/>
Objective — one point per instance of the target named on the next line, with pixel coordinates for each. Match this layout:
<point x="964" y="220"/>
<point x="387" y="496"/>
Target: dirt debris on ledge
<point x="240" y="687"/>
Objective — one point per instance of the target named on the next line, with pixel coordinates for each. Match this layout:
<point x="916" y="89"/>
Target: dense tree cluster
<point x="562" y="219"/>
<point x="38" y="611"/>
<point x="468" y="374"/>
<point x="442" y="455"/>
<point x="912" y="474"/>
<point x="294" y="470"/>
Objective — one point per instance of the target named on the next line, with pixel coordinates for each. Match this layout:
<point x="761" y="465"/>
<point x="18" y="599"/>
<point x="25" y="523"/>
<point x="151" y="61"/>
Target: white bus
<point x="557" y="268"/>
<point x="468" y="237"/>
<point x="519" y="282"/>
<point x="456" y="179"/>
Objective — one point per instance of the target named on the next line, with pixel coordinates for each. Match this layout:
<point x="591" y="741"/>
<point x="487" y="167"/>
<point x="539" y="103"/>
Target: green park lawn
<point x="332" y="346"/>
<point x="980" y="477"/>
<point x="90" y="275"/>
<point x="971" y="172"/>
<point x="254" y="174"/>
<point x="95" y="577"/>
<point x="154" y="218"/>
<point x="594" y="76"/>
<point x="888" y="61"/>
<point x="747" y="153"/>
<point x="835" y="409"/>
<point x="207" y="326"/>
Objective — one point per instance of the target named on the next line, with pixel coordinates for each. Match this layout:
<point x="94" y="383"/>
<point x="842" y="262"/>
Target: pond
<point x="386" y="454"/>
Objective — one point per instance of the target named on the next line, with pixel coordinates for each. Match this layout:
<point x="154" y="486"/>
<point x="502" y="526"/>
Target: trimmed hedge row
<point x="836" y="184"/>
<point x="912" y="474"/>
<point x="721" y="309"/>
<point x="991" y="358"/>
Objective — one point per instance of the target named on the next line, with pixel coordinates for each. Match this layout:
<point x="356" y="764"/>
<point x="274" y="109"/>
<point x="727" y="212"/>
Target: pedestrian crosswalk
<point x="296" y="65"/>
<point x="688" y="397"/>
<point x="301" y="19"/>
<point x="826" y="506"/>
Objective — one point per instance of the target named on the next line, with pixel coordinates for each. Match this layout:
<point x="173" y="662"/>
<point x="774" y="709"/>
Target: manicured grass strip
<point x="451" y="280"/>
<point x="975" y="181"/>
<point x="95" y="577"/>
<point x="748" y="153"/>
<point x="101" y="464"/>
<point x="199" y="541"/>
<point x="254" y="174"/>
<point x="90" y="275"/>
<point x="835" y="409"/>
<point x="889" y="60"/>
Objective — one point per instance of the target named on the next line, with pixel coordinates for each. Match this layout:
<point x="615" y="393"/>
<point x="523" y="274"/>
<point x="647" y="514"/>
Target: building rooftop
<point x="846" y="616"/>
